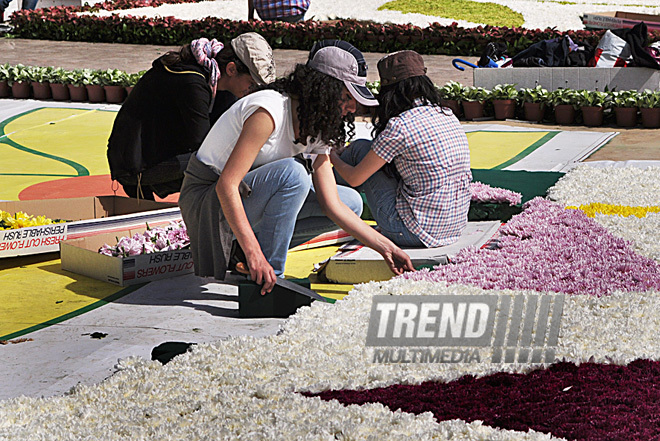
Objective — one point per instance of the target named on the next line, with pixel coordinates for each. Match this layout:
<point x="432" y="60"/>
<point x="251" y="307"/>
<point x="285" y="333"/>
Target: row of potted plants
<point x="504" y="101"/>
<point x="109" y="85"/>
<point x="565" y="106"/>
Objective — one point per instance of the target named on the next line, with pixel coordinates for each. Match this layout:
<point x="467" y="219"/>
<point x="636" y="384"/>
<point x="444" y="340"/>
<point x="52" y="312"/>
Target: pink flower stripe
<point x="587" y="402"/>
<point x="547" y="248"/>
<point x="485" y="193"/>
<point x="172" y="237"/>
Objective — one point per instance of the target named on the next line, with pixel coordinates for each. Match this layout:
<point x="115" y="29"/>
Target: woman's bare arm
<point x="256" y="131"/>
<point x="326" y="192"/>
<point x="356" y="176"/>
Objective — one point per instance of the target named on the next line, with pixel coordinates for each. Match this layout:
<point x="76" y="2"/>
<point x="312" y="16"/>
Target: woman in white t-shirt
<point x="249" y="179"/>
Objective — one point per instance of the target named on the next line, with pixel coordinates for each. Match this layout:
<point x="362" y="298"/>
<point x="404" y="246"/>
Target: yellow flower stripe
<point x="10" y="221"/>
<point x="620" y="210"/>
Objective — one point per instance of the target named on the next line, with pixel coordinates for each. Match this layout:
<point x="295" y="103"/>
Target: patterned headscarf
<point x="204" y="52"/>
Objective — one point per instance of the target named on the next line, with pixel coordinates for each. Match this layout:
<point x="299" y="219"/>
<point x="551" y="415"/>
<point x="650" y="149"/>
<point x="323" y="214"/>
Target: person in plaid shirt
<point x="291" y="11"/>
<point x="416" y="173"/>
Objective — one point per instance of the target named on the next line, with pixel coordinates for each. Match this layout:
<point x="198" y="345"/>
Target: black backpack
<point x="492" y="52"/>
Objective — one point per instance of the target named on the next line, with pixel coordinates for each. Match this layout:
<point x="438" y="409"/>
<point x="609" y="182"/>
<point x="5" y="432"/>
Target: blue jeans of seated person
<point x="283" y="209"/>
<point x="380" y="190"/>
<point x="291" y="18"/>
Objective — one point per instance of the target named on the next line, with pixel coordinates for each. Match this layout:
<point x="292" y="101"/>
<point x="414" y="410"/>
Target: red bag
<point x="612" y="51"/>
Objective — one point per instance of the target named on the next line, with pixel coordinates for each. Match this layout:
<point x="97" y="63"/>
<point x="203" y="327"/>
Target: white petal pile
<point x="610" y="185"/>
<point x="642" y="233"/>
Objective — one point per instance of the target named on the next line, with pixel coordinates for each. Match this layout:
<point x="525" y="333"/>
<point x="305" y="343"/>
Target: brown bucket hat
<point x="400" y="65"/>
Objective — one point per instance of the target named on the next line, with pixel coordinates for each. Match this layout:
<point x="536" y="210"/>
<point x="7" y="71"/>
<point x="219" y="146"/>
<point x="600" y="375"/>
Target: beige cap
<point x="255" y="52"/>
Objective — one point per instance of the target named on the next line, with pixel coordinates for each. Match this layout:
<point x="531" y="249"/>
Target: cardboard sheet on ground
<point x="35" y="292"/>
<point x="58" y="149"/>
<point x="501" y="147"/>
<point x="300" y="265"/>
<point x="54" y="150"/>
<point x="355" y="263"/>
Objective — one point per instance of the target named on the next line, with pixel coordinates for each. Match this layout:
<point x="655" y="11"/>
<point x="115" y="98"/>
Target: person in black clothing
<point x="173" y="106"/>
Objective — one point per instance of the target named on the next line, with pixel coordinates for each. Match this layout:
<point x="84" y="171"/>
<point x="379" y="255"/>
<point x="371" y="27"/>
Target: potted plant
<point x="93" y="80"/>
<point x="76" y="80"/>
<point x="132" y="80"/>
<point x="564" y="102"/>
<point x="19" y="81"/>
<point x="373" y="86"/>
<point x="4" y="78"/>
<point x="473" y="100"/>
<point x="450" y="96"/>
<point x="114" y="83"/>
<point x="58" y="79"/>
<point x="504" y="100"/>
<point x="625" y="108"/>
<point x="40" y="79"/>
<point x="649" y="107"/>
<point x="593" y="104"/>
<point x="534" y="101"/>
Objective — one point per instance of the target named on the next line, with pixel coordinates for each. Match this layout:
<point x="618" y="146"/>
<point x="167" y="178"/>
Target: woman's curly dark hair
<point x="399" y="97"/>
<point x="319" y="112"/>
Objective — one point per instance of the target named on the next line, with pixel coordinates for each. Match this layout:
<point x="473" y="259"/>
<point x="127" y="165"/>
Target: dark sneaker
<point x="237" y="260"/>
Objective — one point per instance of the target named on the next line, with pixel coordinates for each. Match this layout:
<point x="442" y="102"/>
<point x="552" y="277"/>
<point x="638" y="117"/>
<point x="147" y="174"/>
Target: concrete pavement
<point x="136" y="57"/>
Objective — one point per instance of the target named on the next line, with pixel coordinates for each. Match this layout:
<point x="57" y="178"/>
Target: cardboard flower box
<point x="619" y="20"/>
<point x="81" y="256"/>
<point x="85" y="216"/>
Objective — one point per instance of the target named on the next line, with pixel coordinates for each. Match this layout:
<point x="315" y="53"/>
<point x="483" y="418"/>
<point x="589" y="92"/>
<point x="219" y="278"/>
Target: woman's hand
<point x="261" y="272"/>
<point x="326" y="191"/>
<point x="398" y="261"/>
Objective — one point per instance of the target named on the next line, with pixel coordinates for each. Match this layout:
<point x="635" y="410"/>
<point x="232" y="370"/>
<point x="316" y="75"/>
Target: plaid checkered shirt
<point x="269" y="9"/>
<point x="430" y="151"/>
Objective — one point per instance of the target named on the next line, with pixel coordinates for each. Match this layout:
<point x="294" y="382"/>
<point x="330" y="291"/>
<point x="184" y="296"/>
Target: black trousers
<point x="163" y="179"/>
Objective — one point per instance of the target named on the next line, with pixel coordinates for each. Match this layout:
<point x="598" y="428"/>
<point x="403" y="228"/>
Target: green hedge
<point x="66" y="23"/>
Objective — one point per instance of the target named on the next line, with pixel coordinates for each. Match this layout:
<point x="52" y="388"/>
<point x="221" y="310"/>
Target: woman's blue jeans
<point x="283" y="209"/>
<point x="380" y="190"/>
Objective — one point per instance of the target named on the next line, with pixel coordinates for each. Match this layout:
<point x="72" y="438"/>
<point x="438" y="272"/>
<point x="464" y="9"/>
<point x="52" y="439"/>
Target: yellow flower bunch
<point x="619" y="210"/>
<point x="10" y="221"/>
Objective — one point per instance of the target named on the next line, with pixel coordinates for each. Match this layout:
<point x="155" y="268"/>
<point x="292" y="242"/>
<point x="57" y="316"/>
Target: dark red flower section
<point x="586" y="402"/>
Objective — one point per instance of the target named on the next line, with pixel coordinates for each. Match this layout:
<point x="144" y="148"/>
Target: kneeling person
<point x="416" y="173"/>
